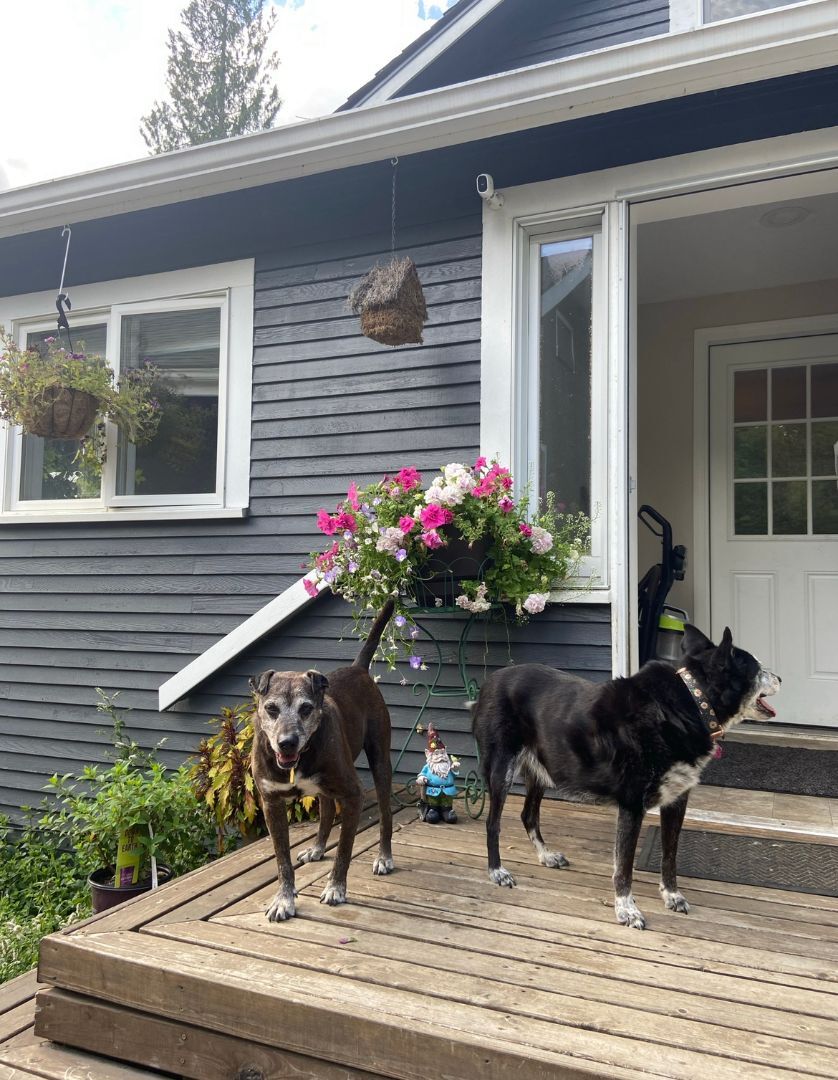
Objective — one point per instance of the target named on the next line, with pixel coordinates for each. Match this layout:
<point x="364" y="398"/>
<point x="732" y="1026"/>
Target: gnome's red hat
<point x="434" y="740"/>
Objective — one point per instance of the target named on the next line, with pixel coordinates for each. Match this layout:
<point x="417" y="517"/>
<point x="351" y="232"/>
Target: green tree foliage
<point x="219" y="76"/>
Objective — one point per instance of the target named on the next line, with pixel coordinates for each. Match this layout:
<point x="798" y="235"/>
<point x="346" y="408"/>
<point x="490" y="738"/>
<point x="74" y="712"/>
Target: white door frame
<point x="705" y="339"/>
<point x="764" y="171"/>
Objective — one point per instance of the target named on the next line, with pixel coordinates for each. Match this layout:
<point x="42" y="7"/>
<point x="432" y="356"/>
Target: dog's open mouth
<point x="764" y="708"/>
<point x="286" y="762"/>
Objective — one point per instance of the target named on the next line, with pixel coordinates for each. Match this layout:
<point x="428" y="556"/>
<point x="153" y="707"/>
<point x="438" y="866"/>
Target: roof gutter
<point x="775" y="43"/>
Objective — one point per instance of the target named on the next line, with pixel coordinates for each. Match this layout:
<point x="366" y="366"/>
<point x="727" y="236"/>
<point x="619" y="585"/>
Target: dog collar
<point x="705" y="708"/>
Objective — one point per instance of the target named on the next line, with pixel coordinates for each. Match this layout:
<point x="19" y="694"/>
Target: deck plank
<point x="174" y="1047"/>
<point x="337" y="1018"/>
<point x="517" y="989"/>
<point x="45" y="1061"/>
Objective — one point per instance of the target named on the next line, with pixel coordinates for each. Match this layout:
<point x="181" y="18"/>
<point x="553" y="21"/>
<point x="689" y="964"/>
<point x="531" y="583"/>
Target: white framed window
<point x="689" y="14"/>
<point x="545" y="368"/>
<point x="196" y="328"/>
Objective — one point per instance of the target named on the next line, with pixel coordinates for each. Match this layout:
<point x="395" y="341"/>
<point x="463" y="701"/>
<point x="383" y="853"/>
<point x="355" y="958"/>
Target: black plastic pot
<point x="106" y="895"/>
<point x="446" y="567"/>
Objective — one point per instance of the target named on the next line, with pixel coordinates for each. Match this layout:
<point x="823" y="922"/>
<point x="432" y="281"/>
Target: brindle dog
<point x="309" y="729"/>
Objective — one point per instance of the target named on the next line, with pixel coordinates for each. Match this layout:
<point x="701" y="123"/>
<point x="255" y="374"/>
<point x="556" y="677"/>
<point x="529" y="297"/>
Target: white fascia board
<point x="434" y="49"/>
<point x="774" y="43"/>
<point x="283" y="607"/>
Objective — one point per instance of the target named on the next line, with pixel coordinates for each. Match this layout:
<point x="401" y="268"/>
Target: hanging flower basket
<point x="66" y="414"/>
<point x="391" y="303"/>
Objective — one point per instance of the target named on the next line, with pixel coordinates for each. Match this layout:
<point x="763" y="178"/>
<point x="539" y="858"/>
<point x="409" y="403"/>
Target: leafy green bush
<point x="40" y="891"/>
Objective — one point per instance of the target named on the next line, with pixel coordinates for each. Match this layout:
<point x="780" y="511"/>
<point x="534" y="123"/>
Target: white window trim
<point x="687" y="15"/>
<point x="231" y="283"/>
<point x="508" y="357"/>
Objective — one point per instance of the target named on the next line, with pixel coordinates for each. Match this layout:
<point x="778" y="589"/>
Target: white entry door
<point x="774" y="513"/>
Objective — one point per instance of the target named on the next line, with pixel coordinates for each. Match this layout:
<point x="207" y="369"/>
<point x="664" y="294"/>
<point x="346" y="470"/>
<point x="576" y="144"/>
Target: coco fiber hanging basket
<point x="66" y="414"/>
<point x="391" y="303"/>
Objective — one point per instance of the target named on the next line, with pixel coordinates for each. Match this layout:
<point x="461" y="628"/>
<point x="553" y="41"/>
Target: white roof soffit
<point x="768" y="45"/>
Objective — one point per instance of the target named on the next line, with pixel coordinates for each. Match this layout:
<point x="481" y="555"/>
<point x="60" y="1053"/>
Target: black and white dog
<point x="637" y="742"/>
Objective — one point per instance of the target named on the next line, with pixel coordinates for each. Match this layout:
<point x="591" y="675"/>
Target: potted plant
<point x="222" y="780"/>
<point x="124" y="819"/>
<point x="391" y="539"/>
<point x="55" y="393"/>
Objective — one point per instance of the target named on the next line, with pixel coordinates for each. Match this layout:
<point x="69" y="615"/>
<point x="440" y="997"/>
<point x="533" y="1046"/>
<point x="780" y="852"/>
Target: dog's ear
<point x="319" y="684"/>
<point x="259" y="683"/>
<point x="726" y="644"/>
<point x="694" y="641"/>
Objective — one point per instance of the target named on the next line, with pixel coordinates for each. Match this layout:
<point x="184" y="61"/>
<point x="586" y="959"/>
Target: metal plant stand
<point x="471" y="787"/>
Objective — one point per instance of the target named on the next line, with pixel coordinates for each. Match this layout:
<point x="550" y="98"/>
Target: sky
<point x="78" y="75"/>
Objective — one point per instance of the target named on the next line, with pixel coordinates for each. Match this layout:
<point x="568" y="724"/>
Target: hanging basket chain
<point x="395" y="163"/>
<point x="62" y="298"/>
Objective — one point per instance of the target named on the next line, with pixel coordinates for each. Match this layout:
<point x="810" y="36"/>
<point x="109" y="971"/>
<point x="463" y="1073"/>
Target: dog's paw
<point x="333" y="895"/>
<point x="383" y="865"/>
<point x="675" y="901"/>
<point x="312" y="854"/>
<point x="282" y="907"/>
<point x="628" y="913"/>
<point x="554" y="859"/>
<point x="501" y="876"/>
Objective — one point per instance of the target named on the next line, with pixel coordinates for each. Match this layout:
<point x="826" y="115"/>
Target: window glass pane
<point x="750" y="395"/>
<point x="185" y="347"/>
<point x="750" y="452"/>
<point x="825" y="390"/>
<point x="48" y="469"/>
<point x="750" y="503"/>
<point x="790" y="508"/>
<point x="565" y="372"/>
<point x="825" y="448"/>
<point x="788" y="393"/>
<point x="714" y="10"/>
<point x="825" y="506"/>
<point x="788" y="450"/>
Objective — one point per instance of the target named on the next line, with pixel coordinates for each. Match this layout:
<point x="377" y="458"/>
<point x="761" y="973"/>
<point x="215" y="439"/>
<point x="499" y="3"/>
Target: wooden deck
<point x="435" y="972"/>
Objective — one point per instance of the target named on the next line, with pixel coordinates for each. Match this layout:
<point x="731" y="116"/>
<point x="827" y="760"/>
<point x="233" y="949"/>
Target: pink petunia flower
<point x="345" y="522"/>
<point x="525" y="530"/>
<point x="480" y="463"/>
<point x="431" y="539"/>
<point x="310" y="587"/>
<point x="408" y="478"/>
<point x="326" y="524"/>
<point x="352" y="495"/>
<point x="434" y="516"/>
<point x="506" y="505"/>
<point x="406" y="523"/>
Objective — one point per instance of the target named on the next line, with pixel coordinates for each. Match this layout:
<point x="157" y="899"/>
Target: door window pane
<point x="750" y="509"/>
<point x="48" y="467"/>
<point x="715" y="10"/>
<point x="750" y="396"/>
<point x="184" y="346"/>
<point x="825" y="390"/>
<point x="789" y="508"/>
<point x="750" y="452"/>
<point x="825" y="507"/>
<point x="566" y="289"/>
<point x="788" y="393"/>
<point x="825" y="448"/>
<point x="788" y="450"/>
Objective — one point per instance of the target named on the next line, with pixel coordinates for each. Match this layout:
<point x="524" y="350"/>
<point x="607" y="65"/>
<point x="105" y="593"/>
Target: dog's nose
<point x="289" y="745"/>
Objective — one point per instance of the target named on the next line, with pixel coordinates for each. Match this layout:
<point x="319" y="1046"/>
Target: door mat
<point x="748" y="860"/>
<point x="789" y="769"/>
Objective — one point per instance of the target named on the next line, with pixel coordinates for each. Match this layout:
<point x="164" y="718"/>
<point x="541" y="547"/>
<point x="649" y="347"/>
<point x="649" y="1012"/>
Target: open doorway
<point x="737" y="419"/>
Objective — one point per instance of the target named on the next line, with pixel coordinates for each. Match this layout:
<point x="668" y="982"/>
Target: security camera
<point x="486" y="190"/>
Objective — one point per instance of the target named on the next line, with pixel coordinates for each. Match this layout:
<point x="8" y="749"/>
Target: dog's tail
<point x="364" y="657"/>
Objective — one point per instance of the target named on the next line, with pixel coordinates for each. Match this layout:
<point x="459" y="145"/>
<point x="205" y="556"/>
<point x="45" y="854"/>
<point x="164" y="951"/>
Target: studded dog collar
<point x="705" y="708"/>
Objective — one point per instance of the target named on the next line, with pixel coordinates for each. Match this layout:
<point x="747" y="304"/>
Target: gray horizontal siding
<point x="520" y="33"/>
<point x="126" y="606"/>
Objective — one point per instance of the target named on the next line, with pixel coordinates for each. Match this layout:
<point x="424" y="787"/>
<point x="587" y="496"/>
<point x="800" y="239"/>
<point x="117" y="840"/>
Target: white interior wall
<point x="665" y="343"/>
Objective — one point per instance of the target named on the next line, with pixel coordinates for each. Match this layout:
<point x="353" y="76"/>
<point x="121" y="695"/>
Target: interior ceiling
<point x="732" y="251"/>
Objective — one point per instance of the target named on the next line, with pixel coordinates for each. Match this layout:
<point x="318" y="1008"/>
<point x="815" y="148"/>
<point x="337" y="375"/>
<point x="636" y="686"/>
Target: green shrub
<point x="40" y="891"/>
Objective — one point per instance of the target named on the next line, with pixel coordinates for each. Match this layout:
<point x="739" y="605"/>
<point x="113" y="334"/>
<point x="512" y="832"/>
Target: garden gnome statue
<point x="436" y="782"/>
